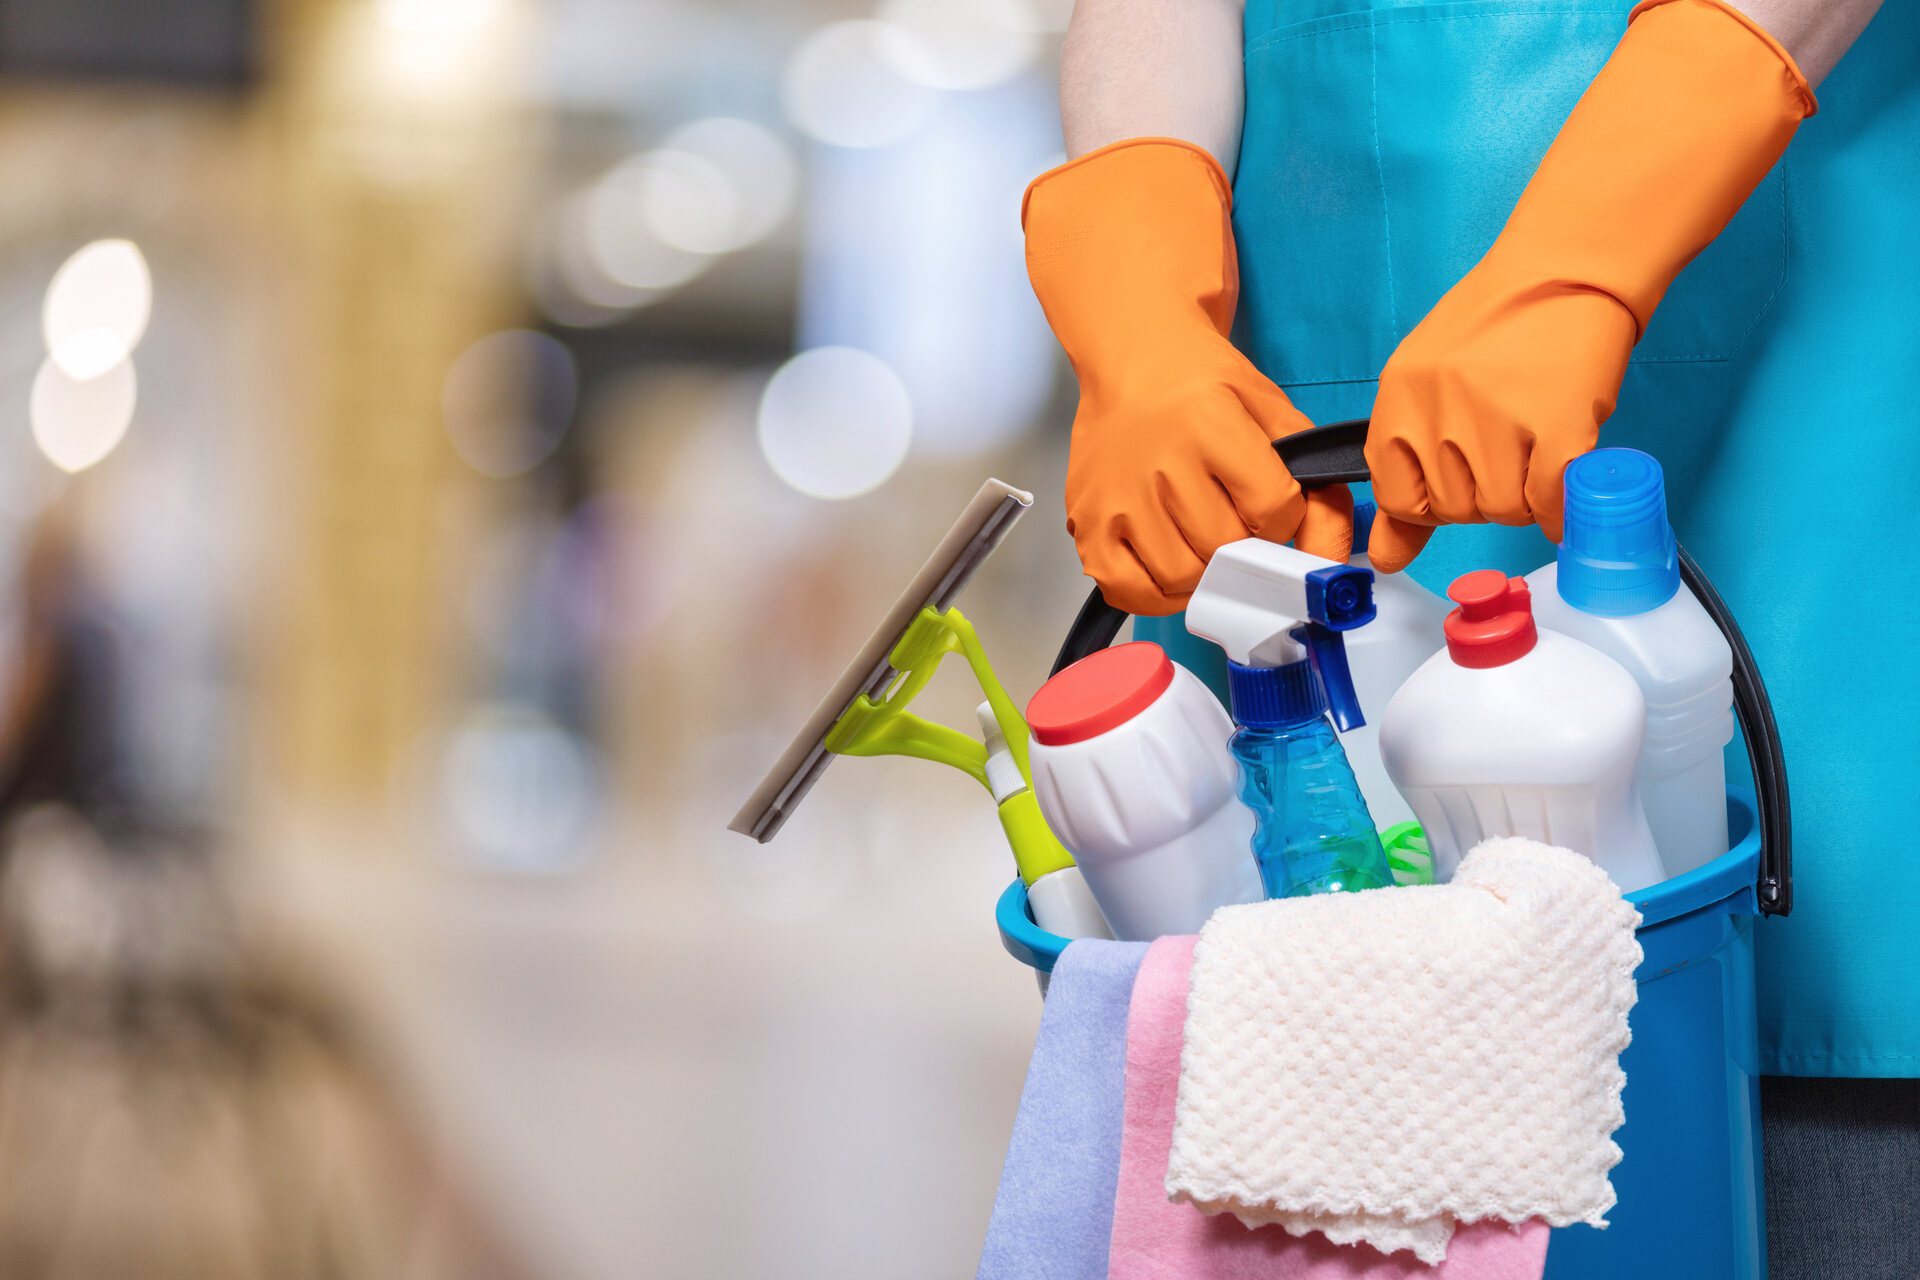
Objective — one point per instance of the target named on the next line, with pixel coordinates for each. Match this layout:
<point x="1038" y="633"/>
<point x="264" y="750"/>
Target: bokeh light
<point x="519" y="791"/>
<point x="97" y="308"/>
<point x="845" y="86"/>
<point x="657" y="220"/>
<point x="77" y="422"/>
<point x="835" y="422"/>
<point x="437" y="15"/>
<point x="563" y="277"/>
<point x="687" y="201"/>
<point x="913" y="253"/>
<point x="961" y="44"/>
<point x="616" y="225"/>
<point x="758" y="167"/>
<point x="508" y="401"/>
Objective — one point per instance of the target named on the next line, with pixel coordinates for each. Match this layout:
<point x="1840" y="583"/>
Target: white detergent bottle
<point x="1514" y="730"/>
<point x="1616" y="586"/>
<point x="1405" y="632"/>
<point x="1131" y="768"/>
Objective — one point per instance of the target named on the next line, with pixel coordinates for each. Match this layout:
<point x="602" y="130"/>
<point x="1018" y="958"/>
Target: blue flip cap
<point x="1340" y="597"/>
<point x="1617" y="555"/>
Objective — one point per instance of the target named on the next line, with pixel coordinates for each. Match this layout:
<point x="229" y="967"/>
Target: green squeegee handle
<point x="1336" y="454"/>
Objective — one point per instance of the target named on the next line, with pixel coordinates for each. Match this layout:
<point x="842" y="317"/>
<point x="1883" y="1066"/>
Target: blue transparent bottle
<point x="1313" y="832"/>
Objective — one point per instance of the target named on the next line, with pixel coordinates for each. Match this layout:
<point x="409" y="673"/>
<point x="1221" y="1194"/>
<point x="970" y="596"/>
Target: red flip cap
<point x="1100" y="692"/>
<point x="1494" y="623"/>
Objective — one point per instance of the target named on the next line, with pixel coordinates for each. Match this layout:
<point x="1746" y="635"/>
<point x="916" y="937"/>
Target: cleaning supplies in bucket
<point x="1405" y="632"/>
<point x="1279" y="614"/>
<point x="1616" y="586"/>
<point x="1130" y="763"/>
<point x="1518" y="731"/>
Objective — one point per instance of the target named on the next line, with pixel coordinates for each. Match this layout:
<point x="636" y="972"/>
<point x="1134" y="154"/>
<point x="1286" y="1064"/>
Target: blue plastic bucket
<point x="1689" y="1179"/>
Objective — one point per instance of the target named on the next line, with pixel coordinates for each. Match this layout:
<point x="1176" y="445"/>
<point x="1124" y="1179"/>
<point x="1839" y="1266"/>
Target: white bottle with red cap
<point x="1512" y="730"/>
<point x="1405" y="632"/>
<point x="1131" y="768"/>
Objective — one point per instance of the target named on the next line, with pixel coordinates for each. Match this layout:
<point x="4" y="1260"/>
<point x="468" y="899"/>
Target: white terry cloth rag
<point x="1378" y="1066"/>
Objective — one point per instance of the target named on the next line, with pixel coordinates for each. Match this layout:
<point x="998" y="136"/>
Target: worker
<point x="1487" y="224"/>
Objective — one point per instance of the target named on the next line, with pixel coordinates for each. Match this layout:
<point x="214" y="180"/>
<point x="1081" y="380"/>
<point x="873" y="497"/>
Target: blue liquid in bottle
<point x="1313" y="833"/>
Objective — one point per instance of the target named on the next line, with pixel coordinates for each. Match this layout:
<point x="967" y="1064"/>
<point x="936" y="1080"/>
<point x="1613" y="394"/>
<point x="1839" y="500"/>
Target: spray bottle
<point x="1278" y="613"/>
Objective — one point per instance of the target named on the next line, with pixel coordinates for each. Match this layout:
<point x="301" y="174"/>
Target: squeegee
<point x="910" y="633"/>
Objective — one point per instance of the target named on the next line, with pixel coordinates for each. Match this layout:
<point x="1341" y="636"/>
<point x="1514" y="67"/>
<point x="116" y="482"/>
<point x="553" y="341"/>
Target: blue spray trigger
<point x="1340" y="598"/>
<point x="1328" y="654"/>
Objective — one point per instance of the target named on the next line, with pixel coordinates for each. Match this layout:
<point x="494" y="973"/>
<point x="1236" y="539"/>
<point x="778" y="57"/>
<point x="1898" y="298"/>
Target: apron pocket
<point x="1384" y="149"/>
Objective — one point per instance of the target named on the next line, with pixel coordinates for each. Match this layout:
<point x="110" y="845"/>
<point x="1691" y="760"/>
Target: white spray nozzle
<point x="1254" y="593"/>
<point x="1003" y="771"/>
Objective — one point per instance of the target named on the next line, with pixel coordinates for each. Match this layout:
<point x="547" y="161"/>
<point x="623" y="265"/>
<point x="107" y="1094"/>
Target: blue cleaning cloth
<point x="1053" y="1214"/>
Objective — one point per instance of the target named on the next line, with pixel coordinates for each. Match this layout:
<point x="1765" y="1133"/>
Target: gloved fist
<point x="1130" y="249"/>
<point x="1512" y="373"/>
<point x="1171" y="464"/>
<point x="1483" y="406"/>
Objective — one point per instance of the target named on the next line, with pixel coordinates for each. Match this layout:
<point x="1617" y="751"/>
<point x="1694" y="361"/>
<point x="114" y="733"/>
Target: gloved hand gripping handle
<point x="1335" y="454"/>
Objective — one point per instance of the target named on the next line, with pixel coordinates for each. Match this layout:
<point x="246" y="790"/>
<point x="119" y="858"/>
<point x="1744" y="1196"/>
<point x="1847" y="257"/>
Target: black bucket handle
<point x="1336" y="454"/>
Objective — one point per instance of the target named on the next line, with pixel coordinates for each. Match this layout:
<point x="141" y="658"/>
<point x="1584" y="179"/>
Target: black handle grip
<point x="1336" y="454"/>
<point x="1333" y="454"/>
<point x="1761" y="733"/>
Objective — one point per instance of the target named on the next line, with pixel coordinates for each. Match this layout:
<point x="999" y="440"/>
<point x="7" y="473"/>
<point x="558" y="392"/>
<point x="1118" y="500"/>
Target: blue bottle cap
<point x="1617" y="556"/>
<point x="1275" y="697"/>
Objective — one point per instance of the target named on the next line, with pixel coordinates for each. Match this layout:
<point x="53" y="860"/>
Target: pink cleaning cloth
<point x="1155" y="1239"/>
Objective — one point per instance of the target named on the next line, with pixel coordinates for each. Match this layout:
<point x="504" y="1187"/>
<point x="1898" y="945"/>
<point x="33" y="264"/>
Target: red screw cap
<point x="1494" y="623"/>
<point x="1100" y="692"/>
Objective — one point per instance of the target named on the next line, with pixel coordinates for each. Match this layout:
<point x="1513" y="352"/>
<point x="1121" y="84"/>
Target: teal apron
<point x="1779" y="385"/>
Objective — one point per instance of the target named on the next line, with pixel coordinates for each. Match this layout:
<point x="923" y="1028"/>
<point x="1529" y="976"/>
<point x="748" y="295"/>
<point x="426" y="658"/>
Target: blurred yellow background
<point x="446" y="448"/>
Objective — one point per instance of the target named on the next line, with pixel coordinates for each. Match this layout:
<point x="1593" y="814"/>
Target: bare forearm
<point x="1815" y="32"/>
<point x="1153" y="68"/>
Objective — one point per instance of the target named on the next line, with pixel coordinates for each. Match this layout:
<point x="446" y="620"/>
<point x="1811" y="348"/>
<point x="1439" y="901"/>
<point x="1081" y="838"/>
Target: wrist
<point x="1144" y="156"/>
<point x="1127" y="240"/>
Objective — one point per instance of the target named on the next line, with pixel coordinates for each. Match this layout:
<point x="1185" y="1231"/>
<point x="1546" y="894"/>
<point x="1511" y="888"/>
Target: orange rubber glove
<point x="1130" y="249"/>
<point x="1509" y="377"/>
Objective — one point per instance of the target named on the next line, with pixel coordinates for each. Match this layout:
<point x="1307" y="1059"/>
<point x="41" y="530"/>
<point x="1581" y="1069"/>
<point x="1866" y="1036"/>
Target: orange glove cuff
<point x="1123" y="240"/>
<point x="1675" y="132"/>
<point x="1766" y="38"/>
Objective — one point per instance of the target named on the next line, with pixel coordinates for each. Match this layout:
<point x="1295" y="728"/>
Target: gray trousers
<point x="1843" y="1178"/>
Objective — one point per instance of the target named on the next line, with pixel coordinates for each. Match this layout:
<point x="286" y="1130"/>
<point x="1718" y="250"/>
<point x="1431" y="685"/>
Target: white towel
<point x="1378" y="1066"/>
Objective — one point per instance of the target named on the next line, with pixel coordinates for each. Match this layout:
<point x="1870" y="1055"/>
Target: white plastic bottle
<point x="1517" y="731"/>
<point x="1616" y="586"/>
<point x="1131" y="768"/>
<point x="1404" y="633"/>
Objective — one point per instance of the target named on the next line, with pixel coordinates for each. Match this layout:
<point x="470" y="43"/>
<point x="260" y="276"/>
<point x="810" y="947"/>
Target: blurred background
<point x="446" y="448"/>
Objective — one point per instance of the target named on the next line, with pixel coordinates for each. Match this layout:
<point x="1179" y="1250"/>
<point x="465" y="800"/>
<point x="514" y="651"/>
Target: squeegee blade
<point x="985" y="521"/>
